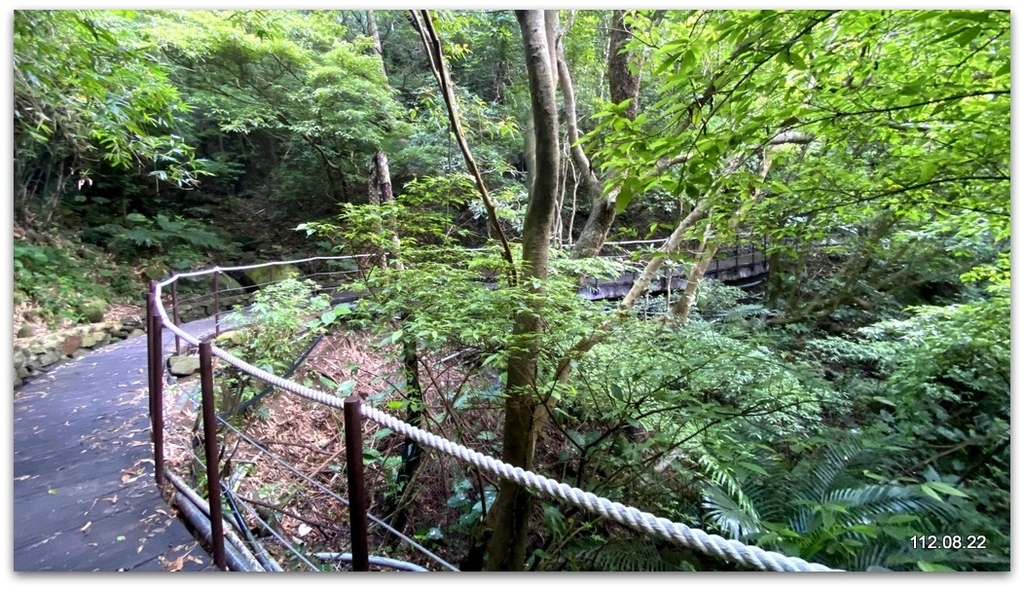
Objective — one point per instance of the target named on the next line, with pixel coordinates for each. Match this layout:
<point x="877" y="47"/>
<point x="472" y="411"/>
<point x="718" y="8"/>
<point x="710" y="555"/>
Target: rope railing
<point x="693" y="538"/>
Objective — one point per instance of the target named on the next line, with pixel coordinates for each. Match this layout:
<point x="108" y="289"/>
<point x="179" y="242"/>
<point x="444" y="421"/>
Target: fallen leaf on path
<point x="174" y="565"/>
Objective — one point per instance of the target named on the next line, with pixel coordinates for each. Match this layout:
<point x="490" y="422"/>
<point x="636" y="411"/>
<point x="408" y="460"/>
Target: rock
<point x="183" y="365"/>
<point x="33" y="355"/>
<point x="71" y="344"/>
<point x="26" y="331"/>
<point x="227" y="338"/>
<point x="131" y="323"/>
<point x="93" y="310"/>
<point x="48" y="357"/>
<point x="204" y="284"/>
<point x="228" y="286"/>
<point x="20" y="363"/>
<point x="265" y="275"/>
<point x="156" y="271"/>
<point x="92" y="338"/>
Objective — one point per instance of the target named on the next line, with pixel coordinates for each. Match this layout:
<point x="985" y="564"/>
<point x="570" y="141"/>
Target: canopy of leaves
<point x="84" y="94"/>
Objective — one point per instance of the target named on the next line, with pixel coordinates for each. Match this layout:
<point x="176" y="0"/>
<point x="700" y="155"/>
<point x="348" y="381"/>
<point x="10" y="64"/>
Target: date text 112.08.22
<point x="948" y="542"/>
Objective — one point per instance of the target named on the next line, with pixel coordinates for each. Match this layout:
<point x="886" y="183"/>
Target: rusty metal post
<point x="151" y="355"/>
<point x="177" y="320"/>
<point x="356" y="484"/>
<point x="216" y="303"/>
<point x="154" y="327"/>
<point x="212" y="458"/>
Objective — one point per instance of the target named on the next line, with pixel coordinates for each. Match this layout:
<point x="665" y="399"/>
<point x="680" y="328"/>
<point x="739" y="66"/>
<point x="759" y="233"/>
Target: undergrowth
<point x="56" y="280"/>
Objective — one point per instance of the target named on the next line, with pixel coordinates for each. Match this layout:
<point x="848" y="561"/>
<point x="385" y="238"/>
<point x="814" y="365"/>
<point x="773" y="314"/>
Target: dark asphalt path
<point x="85" y="497"/>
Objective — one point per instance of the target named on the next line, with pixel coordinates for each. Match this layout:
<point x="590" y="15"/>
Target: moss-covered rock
<point x="183" y="365"/>
<point x="228" y="338"/>
<point x="93" y="310"/>
<point x="265" y="275"/>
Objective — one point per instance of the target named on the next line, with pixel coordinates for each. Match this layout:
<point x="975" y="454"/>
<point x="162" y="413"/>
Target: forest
<point x="847" y="407"/>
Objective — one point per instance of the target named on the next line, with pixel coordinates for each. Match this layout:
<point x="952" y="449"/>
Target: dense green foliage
<point x="281" y="321"/>
<point x="858" y="398"/>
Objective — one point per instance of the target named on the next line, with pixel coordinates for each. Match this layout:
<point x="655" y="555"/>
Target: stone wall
<point x="34" y="355"/>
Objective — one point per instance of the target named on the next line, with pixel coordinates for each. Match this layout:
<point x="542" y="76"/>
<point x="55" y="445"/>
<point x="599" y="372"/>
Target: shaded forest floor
<point x="283" y="458"/>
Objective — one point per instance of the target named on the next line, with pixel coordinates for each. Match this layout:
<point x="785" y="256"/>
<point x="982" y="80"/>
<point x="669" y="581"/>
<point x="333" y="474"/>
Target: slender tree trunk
<point x="510" y="515"/>
<point x="681" y="309"/>
<point x="432" y="45"/>
<point x="623" y="84"/>
<point x="412" y="453"/>
<point x="530" y="151"/>
<point x="373" y="33"/>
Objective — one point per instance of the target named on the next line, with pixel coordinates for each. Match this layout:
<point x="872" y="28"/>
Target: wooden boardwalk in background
<point x="736" y="270"/>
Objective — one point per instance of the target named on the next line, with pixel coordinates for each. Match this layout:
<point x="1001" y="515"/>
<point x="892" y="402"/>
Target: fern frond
<point x="869" y="503"/>
<point x="631" y="555"/>
<point x="725" y="480"/>
<point x="732" y="519"/>
<point x="835" y="462"/>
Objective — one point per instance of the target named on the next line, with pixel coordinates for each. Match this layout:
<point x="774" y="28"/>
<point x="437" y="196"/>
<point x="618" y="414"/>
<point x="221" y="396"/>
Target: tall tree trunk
<point x="373" y="33"/>
<point x="623" y="84"/>
<point x="510" y="515"/>
<point x="396" y="504"/>
<point x="380" y="192"/>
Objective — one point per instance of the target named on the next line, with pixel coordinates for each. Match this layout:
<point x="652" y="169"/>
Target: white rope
<point x="697" y="539"/>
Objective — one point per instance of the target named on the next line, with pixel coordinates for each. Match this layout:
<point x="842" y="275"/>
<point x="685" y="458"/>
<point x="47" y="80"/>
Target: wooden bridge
<point x="742" y="267"/>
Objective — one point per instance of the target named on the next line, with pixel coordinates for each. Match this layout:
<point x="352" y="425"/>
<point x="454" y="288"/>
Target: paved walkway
<point x="85" y="497"/>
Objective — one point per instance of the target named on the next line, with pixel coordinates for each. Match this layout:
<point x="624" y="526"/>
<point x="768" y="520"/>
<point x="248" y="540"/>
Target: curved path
<point x="85" y="497"/>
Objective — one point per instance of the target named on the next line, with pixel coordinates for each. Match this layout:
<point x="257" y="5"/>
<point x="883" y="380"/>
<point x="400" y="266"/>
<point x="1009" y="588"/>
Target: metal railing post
<point x="177" y="320"/>
<point x="216" y="303"/>
<point x="356" y="484"/>
<point x="151" y="354"/>
<point x="212" y="459"/>
<point x="154" y="328"/>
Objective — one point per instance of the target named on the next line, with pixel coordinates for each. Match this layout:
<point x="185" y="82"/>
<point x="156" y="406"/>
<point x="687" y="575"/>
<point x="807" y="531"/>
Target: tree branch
<point x="432" y="45"/>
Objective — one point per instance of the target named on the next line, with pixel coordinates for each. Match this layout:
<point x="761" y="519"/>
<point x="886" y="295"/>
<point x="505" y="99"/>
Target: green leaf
<point x="688" y="59"/>
<point x="616" y="392"/>
<point x="396" y="336"/>
<point x="345" y="389"/>
<point x="927" y="171"/>
<point x="932" y="567"/>
<point x="628" y="190"/>
<point x="796" y="61"/>
<point x="935" y="487"/>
